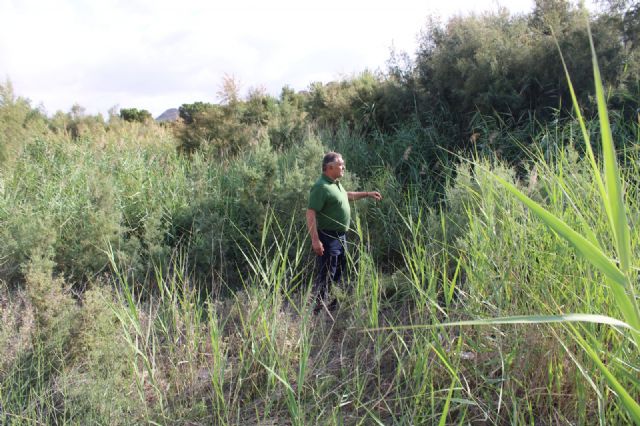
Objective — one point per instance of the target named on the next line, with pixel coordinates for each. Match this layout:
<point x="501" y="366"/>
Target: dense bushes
<point x="109" y="354"/>
<point x="228" y="129"/>
<point x="487" y="84"/>
<point x="472" y="79"/>
<point x="71" y="200"/>
<point x="134" y="114"/>
<point x="19" y="122"/>
<point x="510" y="64"/>
<point x="74" y="365"/>
<point x="78" y="202"/>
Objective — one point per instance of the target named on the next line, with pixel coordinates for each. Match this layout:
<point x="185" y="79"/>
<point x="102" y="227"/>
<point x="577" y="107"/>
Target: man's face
<point x="335" y="170"/>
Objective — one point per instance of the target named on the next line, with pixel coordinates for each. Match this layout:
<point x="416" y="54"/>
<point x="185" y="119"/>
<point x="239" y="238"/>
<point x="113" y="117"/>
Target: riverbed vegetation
<point x="160" y="273"/>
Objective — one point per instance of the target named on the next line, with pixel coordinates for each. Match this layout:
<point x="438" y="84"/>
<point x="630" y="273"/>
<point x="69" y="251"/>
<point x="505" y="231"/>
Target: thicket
<point x="488" y="85"/>
<point x="224" y="130"/>
<point x="138" y="345"/>
<point x="135" y="114"/>
<point x="509" y="64"/>
<point x="19" y="122"/>
<point x="473" y="80"/>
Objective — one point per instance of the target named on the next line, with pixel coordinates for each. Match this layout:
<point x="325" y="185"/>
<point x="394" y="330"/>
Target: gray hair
<point x="330" y="157"/>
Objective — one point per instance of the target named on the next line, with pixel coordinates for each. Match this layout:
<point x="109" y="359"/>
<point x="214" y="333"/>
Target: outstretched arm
<point x="359" y="195"/>
<point x="316" y="244"/>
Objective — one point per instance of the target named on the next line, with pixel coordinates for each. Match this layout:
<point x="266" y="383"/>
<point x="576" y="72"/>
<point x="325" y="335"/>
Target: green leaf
<point x="585" y="134"/>
<point x="612" y="174"/>
<point x="524" y="319"/>
<point x="589" y="251"/>
<point x="627" y="400"/>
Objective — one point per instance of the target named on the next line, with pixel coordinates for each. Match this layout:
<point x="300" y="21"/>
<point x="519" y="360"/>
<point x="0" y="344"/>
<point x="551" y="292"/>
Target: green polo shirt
<point x="329" y="199"/>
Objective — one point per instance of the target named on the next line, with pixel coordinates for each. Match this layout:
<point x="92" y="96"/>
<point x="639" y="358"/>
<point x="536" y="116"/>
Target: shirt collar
<point x="328" y="179"/>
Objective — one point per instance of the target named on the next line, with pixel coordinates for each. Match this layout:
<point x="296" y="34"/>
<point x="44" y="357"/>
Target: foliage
<point x="368" y="102"/>
<point x="184" y="229"/>
<point x="69" y="199"/>
<point x="228" y="129"/>
<point x="134" y="114"/>
<point x="73" y="365"/>
<point x="259" y="353"/>
<point x="19" y="123"/>
<point x="214" y="129"/>
<point x="76" y="124"/>
<point x="498" y="62"/>
<point x="241" y="195"/>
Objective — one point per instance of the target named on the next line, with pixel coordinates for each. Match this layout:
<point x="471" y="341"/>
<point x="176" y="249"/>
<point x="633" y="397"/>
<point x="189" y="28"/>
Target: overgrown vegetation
<point x="161" y="273"/>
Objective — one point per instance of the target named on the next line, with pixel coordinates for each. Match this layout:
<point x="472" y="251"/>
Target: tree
<point x="19" y="122"/>
<point x="216" y="129"/>
<point x="498" y="63"/>
<point x="189" y="112"/>
<point x="229" y="92"/>
<point x="134" y="114"/>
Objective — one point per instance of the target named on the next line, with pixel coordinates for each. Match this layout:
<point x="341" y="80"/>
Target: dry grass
<point x="17" y="325"/>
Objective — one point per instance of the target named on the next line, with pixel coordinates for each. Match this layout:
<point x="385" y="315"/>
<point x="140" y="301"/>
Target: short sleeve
<point x="317" y="197"/>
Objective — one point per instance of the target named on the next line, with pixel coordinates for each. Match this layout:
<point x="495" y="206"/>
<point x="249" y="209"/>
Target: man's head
<point x="333" y="165"/>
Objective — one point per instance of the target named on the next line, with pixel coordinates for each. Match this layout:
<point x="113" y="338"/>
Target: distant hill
<point x="171" y="114"/>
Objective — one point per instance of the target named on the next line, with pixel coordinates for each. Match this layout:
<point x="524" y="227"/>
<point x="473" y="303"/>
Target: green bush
<point x="68" y="362"/>
<point x="509" y="64"/>
<point x="214" y="129"/>
<point x="19" y="123"/>
<point x="134" y="114"/>
<point x="98" y="382"/>
<point x="216" y="225"/>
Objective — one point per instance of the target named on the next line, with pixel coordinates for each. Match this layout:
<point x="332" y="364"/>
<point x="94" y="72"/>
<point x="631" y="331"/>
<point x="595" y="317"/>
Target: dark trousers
<point x="331" y="265"/>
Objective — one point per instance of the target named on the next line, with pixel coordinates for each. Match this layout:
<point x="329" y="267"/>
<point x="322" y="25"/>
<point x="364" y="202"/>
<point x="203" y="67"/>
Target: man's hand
<point x="352" y="196"/>
<point x="375" y="195"/>
<point x="318" y="248"/>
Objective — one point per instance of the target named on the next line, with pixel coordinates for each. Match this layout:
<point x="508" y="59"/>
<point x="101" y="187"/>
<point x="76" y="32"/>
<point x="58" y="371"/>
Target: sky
<point x="160" y="54"/>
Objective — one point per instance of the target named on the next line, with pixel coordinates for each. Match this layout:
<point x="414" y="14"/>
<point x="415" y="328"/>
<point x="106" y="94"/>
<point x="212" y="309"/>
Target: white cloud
<point x="158" y="54"/>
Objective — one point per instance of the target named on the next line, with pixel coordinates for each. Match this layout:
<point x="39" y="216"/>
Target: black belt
<point x="335" y="234"/>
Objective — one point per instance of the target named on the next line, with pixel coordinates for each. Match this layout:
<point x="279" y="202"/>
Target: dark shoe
<point x="333" y="305"/>
<point x="319" y="306"/>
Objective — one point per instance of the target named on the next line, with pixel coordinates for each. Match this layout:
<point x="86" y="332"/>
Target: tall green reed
<point x="619" y="273"/>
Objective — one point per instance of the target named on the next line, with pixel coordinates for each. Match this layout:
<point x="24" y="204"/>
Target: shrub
<point x="214" y="129"/>
<point x="17" y="324"/>
<point x="509" y="64"/>
<point x="19" y="123"/>
<point x="98" y="382"/>
<point x="134" y="114"/>
<point x="258" y="183"/>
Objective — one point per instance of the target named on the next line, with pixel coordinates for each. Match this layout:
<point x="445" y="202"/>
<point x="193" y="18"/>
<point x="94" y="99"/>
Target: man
<point x="328" y="218"/>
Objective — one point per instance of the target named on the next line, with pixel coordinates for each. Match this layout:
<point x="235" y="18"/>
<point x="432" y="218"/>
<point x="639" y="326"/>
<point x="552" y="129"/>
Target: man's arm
<point x="318" y="248"/>
<point x="359" y="195"/>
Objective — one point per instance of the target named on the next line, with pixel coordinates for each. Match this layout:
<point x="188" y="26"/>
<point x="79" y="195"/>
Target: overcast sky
<point x="159" y="54"/>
